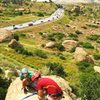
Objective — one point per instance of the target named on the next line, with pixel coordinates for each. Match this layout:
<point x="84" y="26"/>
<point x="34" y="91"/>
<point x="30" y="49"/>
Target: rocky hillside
<point x="76" y="1"/>
<point x="15" y="93"/>
<point x="68" y="47"/>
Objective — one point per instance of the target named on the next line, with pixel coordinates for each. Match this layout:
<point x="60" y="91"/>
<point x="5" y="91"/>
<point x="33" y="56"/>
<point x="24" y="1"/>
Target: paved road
<point x="56" y="15"/>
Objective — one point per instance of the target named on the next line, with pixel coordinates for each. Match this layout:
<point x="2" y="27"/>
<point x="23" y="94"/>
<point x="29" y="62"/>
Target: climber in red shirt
<point x="48" y="87"/>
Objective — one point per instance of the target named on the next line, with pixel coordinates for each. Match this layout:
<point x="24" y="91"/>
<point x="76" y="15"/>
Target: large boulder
<point x="5" y="35"/>
<point x="81" y="55"/>
<point x="69" y="44"/>
<point x="15" y="92"/>
<point x="14" y="43"/>
<point x="50" y="44"/>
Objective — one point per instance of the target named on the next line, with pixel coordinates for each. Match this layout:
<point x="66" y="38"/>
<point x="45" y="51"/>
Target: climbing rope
<point x="29" y="95"/>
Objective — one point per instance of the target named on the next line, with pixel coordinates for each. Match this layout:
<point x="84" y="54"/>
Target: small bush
<point x="40" y="53"/>
<point x="86" y="45"/>
<point x="59" y="47"/>
<point x="62" y="57"/>
<point x="56" y="36"/>
<point x="98" y="40"/>
<point x="4" y="84"/>
<point x="21" y="50"/>
<point x="93" y="37"/>
<point x="83" y="65"/>
<point x="96" y="56"/>
<point x="1" y="71"/>
<point x="72" y="50"/>
<point x="92" y="25"/>
<point x="41" y="13"/>
<point x="16" y="36"/>
<point x="56" y="69"/>
<point x="78" y="32"/>
<point x="73" y="35"/>
<point x="90" y="86"/>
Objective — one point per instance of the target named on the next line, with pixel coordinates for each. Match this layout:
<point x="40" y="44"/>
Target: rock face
<point x="69" y="44"/>
<point x="50" y="44"/>
<point x="81" y="55"/>
<point x="13" y="44"/>
<point x="5" y="35"/>
<point x="15" y="93"/>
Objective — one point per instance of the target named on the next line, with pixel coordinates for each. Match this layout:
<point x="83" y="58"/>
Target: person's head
<point x="36" y="76"/>
<point x="24" y="71"/>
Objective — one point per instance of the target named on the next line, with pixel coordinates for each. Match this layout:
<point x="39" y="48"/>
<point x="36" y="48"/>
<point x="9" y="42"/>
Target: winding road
<point x="56" y="15"/>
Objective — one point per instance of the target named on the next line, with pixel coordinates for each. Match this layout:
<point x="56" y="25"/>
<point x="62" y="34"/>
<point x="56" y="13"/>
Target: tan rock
<point x="14" y="43"/>
<point x="81" y="55"/>
<point x="69" y="44"/>
<point x="5" y="35"/>
<point x="97" y="69"/>
<point x="50" y="44"/>
<point x="15" y="93"/>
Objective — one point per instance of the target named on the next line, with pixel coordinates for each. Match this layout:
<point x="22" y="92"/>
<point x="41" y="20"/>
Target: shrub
<point x="97" y="56"/>
<point x="20" y="34"/>
<point x="98" y="40"/>
<point x="41" y="13"/>
<point x="56" y="69"/>
<point x="16" y="36"/>
<point x="83" y="65"/>
<point x="93" y="37"/>
<point x="90" y="86"/>
<point x="59" y="47"/>
<point x="92" y="25"/>
<point x="78" y="32"/>
<point x="72" y="50"/>
<point x="73" y="35"/>
<point x="16" y="13"/>
<point x="21" y="50"/>
<point x="4" y="84"/>
<point x="55" y="36"/>
<point x="86" y="45"/>
<point x="40" y="53"/>
<point x="62" y="57"/>
<point x="1" y="71"/>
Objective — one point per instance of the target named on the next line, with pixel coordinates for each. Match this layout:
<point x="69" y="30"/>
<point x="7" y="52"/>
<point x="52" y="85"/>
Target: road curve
<point x="55" y="16"/>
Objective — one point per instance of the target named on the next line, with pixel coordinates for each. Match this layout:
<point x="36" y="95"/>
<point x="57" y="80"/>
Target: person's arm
<point x="40" y="94"/>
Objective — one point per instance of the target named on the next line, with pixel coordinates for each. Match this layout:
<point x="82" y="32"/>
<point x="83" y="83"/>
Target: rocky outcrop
<point x="50" y="44"/>
<point x="69" y="44"/>
<point x="5" y="35"/>
<point x="81" y="55"/>
<point x="15" y="92"/>
<point x="14" y="43"/>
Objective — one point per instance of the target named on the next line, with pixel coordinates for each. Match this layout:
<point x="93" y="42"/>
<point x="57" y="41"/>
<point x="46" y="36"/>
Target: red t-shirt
<point x="49" y="85"/>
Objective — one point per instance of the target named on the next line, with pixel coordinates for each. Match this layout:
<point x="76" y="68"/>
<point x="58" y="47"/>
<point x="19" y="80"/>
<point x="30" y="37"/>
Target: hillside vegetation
<point x="82" y="26"/>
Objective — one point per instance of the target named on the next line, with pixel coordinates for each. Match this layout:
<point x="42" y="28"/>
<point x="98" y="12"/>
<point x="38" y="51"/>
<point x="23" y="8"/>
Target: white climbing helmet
<point x="24" y="70"/>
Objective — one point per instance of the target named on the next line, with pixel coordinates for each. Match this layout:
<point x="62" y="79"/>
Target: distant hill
<point x="76" y="1"/>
